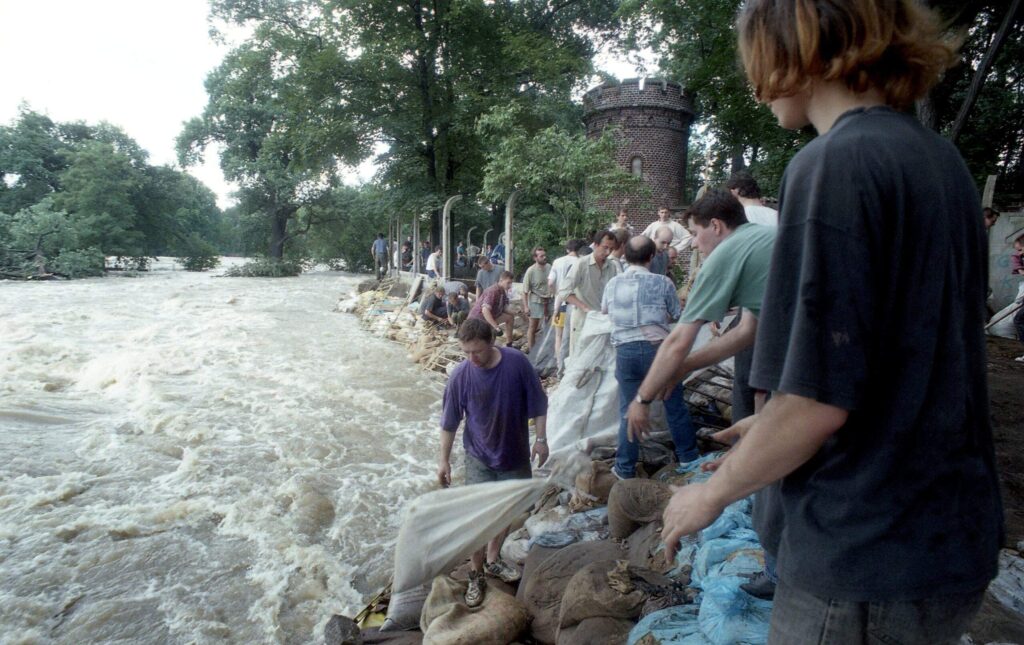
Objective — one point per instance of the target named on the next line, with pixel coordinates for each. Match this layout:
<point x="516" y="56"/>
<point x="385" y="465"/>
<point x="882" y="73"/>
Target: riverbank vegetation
<point x="468" y="98"/>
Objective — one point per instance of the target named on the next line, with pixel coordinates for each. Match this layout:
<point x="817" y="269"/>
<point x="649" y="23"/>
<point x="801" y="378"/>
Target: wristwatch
<point x="541" y="439"/>
<point x="643" y="401"/>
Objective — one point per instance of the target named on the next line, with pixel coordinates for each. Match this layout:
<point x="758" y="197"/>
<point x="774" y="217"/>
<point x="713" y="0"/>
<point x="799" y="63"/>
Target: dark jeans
<point x="477" y="472"/>
<point x="632" y="362"/>
<point x="799" y="617"/>
<point x="380" y="261"/>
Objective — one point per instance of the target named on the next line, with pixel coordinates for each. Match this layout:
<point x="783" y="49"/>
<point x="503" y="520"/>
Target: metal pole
<point x="446" y="246"/>
<point x="510" y="208"/>
<point x="416" y="244"/>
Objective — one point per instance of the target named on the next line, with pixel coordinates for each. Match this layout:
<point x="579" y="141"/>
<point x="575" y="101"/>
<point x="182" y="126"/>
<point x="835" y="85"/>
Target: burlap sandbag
<point x="634" y="502"/>
<point x="646" y="549"/>
<point x="589" y="595"/>
<point x="543" y="585"/>
<point x="592" y="487"/>
<point x="446" y="620"/>
<point x="597" y="631"/>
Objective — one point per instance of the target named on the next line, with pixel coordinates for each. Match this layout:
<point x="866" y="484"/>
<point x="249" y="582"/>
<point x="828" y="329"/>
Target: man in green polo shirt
<point x="737" y="254"/>
<point x="733" y="276"/>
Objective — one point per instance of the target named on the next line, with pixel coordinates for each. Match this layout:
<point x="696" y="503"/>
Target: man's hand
<point x="731" y="435"/>
<point x="539" y="452"/>
<point x="444" y="473"/>
<point x="638" y="421"/>
<point x="689" y="511"/>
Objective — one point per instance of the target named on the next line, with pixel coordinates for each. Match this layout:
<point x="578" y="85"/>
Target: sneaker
<point x="1019" y="359"/>
<point x="502" y="571"/>
<point x="475" y="590"/>
<point x="760" y="586"/>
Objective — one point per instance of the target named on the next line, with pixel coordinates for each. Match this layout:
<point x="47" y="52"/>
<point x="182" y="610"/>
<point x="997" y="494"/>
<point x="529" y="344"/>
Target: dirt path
<point x="995" y="623"/>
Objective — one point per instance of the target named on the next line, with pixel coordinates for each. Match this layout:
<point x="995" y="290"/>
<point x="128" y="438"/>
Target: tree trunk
<point x="926" y="112"/>
<point x="278" y="230"/>
<point x="737" y="163"/>
<point x="982" y="72"/>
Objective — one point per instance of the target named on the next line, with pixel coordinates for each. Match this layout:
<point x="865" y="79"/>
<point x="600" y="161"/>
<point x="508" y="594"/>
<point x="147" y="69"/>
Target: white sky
<point x="138" y="64"/>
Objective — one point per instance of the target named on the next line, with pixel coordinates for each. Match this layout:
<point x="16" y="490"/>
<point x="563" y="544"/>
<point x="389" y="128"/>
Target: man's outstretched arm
<point x="788" y="432"/>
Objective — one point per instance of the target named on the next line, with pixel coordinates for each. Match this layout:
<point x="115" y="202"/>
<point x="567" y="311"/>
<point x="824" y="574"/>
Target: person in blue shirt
<point x="379" y="253"/>
<point x="641" y="306"/>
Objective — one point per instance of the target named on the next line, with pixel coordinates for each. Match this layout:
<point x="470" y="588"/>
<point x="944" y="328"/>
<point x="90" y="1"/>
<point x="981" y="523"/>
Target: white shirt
<point x="762" y="215"/>
<point x="432" y="262"/>
<point x="559" y="269"/>
<point x="680" y="236"/>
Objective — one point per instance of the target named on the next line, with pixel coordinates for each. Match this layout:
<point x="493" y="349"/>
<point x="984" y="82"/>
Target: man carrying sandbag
<point x="497" y="392"/>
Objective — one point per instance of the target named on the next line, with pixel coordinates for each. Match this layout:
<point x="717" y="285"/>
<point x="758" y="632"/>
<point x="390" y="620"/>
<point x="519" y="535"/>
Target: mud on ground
<point x="994" y="622"/>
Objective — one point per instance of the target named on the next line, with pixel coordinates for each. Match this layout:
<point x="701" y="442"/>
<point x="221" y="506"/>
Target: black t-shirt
<point x="875" y="303"/>
<point x="434" y="304"/>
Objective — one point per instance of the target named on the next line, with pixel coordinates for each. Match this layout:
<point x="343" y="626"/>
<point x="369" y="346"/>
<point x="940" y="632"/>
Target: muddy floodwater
<point x="193" y="459"/>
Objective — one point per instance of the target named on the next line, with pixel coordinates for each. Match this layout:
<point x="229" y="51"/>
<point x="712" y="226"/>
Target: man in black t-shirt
<point x="871" y="339"/>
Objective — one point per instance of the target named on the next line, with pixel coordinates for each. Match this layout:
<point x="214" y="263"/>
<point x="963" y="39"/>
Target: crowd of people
<point x="860" y="408"/>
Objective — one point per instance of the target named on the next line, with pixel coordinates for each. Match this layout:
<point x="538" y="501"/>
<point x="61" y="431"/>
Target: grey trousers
<point x="800" y="618"/>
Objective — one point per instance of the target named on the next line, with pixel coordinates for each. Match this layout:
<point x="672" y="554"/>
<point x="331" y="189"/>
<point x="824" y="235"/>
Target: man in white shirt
<point x="434" y="263"/>
<point x="744" y="187"/>
<point x="559" y="270"/>
<point x="680" y="236"/>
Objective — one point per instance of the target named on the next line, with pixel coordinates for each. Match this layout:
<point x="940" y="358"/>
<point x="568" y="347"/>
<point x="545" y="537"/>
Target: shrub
<point x="266" y="268"/>
<point x="79" y="263"/>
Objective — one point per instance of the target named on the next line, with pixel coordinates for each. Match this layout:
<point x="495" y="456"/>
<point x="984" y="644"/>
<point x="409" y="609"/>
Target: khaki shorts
<point x="537" y="310"/>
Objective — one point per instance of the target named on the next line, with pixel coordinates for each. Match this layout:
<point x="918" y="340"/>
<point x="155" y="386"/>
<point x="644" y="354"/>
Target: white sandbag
<point x="1005" y="328"/>
<point x="586" y="402"/>
<point x="443" y="527"/>
<point x="1008" y="587"/>
<point x="404" y="609"/>
<point x="516" y="546"/>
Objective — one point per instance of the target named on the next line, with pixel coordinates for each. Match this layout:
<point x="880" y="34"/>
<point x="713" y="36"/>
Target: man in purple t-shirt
<point x="497" y="392"/>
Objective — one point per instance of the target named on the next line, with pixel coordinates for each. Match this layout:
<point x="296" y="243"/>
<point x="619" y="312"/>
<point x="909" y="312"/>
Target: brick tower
<point x="653" y="118"/>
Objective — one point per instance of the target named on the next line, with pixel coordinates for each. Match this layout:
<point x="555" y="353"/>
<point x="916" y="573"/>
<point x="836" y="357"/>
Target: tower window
<point x="636" y="166"/>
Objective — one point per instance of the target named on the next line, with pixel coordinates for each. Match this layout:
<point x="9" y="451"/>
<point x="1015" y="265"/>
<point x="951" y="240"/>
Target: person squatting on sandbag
<point x="878" y="425"/>
<point x="491" y="306"/>
<point x="497" y="392"/>
<point x="640" y="306"/>
<point x="435" y="306"/>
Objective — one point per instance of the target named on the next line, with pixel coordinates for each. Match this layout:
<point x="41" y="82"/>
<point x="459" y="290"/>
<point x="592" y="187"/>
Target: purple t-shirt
<point x="497" y="404"/>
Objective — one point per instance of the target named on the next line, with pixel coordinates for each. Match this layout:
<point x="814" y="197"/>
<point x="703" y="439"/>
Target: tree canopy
<point x="73" y="193"/>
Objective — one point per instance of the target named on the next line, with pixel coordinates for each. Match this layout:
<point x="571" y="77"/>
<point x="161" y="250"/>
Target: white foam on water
<point x="192" y="459"/>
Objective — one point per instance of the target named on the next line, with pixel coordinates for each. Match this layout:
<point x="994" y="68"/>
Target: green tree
<point x="560" y="174"/>
<point x="31" y="160"/>
<point x="271" y="145"/>
<point x="416" y="76"/>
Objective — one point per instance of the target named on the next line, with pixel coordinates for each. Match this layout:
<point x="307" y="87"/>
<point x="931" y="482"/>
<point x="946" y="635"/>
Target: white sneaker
<point x="475" y="590"/>
<point x="1019" y="359"/>
<point x="502" y="571"/>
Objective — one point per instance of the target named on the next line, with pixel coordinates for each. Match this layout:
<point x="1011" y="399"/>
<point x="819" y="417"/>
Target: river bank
<point x="995" y="623"/>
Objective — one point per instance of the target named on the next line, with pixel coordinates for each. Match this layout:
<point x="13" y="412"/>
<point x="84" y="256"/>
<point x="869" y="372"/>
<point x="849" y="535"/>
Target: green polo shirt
<point x="733" y="275"/>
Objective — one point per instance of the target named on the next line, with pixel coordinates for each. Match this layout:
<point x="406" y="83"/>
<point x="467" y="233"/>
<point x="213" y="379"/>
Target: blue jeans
<point x="632" y="362"/>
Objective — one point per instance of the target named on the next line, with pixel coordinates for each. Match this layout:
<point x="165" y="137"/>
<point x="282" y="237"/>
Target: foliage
<point x="91" y="187"/>
<point x="41" y="241"/>
<point x="198" y="254"/>
<point x="695" y="43"/>
<point x="79" y="263"/>
<point x="265" y="267"/>
<point x="559" y="172"/>
<point x="322" y="81"/>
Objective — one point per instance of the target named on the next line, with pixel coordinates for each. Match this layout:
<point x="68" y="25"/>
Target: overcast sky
<point x="138" y="64"/>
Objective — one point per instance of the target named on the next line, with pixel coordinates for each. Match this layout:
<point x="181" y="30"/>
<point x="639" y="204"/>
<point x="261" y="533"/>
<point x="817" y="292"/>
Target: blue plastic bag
<point x="672" y="626"/>
<point x="728" y="615"/>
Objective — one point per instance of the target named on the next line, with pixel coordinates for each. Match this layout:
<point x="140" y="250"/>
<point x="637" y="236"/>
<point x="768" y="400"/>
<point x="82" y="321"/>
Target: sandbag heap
<point x="396" y="317"/>
<point x="594" y="571"/>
